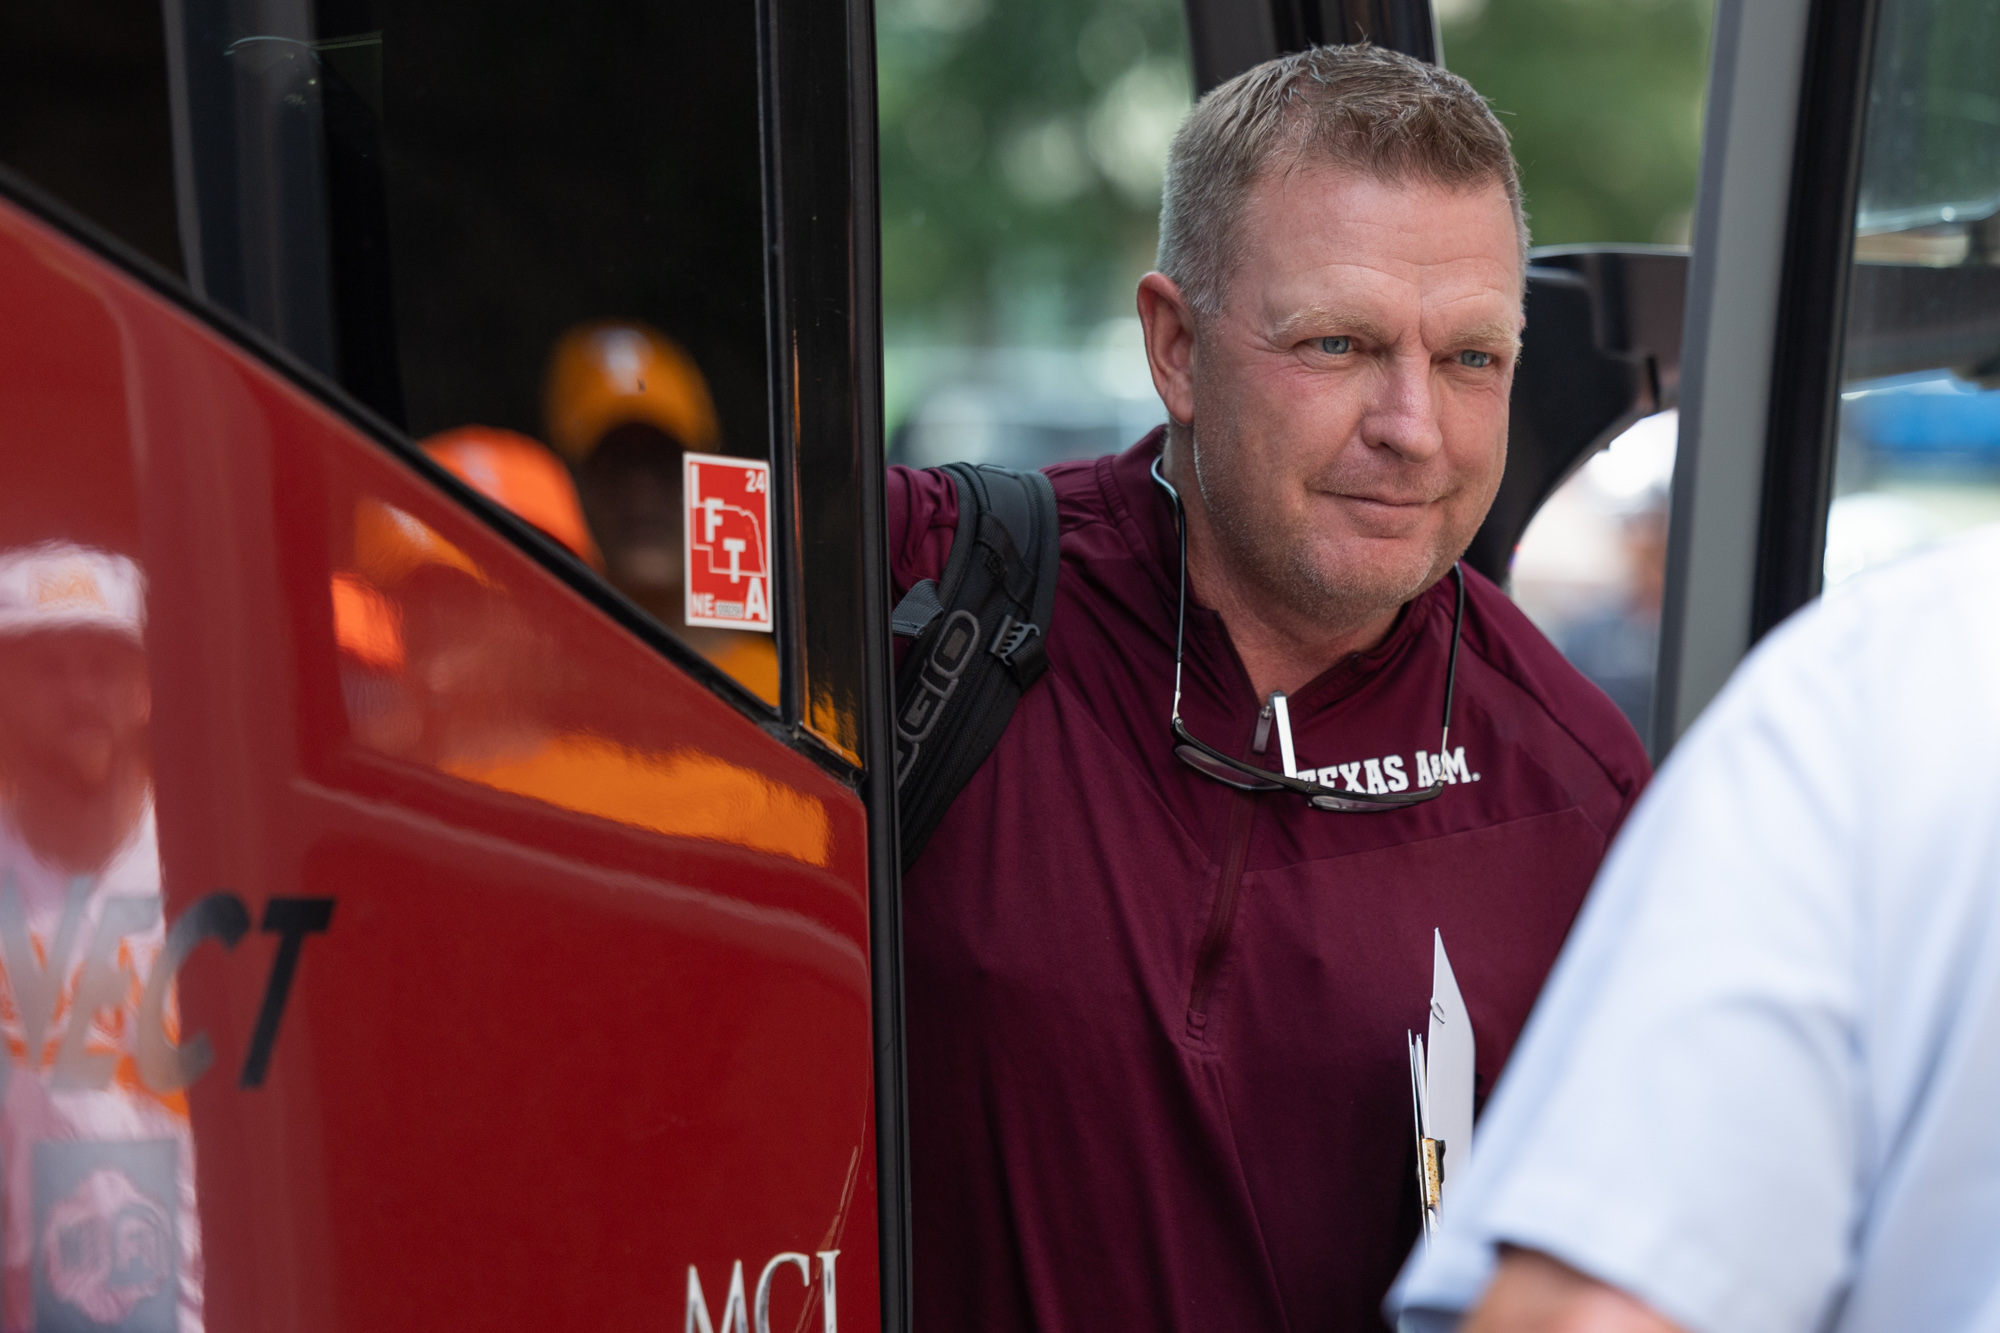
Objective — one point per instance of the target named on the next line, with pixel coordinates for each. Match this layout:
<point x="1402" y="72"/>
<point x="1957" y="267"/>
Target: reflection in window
<point x="473" y="235"/>
<point x="96" y="1156"/>
<point x="444" y="665"/>
<point x="1591" y="568"/>
<point x="1919" y="429"/>
<point x="84" y="115"/>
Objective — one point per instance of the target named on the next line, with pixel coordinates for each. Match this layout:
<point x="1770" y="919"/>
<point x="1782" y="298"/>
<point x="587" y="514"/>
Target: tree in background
<point x="1023" y="143"/>
<point x="1603" y="98"/>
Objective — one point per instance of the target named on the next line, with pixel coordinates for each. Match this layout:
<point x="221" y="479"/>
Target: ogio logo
<point x="957" y="640"/>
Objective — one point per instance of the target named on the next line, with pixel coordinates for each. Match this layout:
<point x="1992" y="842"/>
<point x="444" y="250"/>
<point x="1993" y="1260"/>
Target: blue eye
<point x="1475" y="360"/>
<point x="1336" y="346"/>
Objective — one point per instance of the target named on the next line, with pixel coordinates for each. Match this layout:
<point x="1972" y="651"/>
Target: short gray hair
<point x="1362" y="107"/>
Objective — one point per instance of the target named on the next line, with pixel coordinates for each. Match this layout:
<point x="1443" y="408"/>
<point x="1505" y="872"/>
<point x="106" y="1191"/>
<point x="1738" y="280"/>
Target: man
<point x="1760" y="1092"/>
<point x="624" y="404"/>
<point x="98" y="1191"/>
<point x="1157" y="1023"/>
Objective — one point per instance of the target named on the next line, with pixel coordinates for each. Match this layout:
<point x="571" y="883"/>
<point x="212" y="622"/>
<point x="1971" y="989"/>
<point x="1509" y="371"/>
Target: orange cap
<point x="610" y="374"/>
<point x="390" y="544"/>
<point x="520" y="475"/>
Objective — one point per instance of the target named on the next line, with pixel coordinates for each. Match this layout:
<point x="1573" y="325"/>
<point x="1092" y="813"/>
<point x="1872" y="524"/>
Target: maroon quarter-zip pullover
<point x="1157" y="1027"/>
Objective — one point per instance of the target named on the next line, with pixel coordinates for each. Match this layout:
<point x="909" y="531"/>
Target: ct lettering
<point x="222" y="917"/>
<point x="291" y="920"/>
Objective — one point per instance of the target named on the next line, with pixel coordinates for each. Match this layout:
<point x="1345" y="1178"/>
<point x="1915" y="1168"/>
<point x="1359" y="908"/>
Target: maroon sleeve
<point x="923" y="518"/>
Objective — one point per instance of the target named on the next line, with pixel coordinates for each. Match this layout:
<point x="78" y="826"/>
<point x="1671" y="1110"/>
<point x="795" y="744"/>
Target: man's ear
<point x="1168" y="322"/>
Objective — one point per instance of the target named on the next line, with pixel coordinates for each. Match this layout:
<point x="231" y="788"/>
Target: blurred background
<point x="1022" y="148"/>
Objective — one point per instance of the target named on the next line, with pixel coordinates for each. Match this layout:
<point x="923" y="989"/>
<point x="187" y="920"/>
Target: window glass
<point x="1023" y="146"/>
<point x="1603" y="99"/>
<point x="84" y="115"/>
<point x="508" y="229"/>
<point x="1919" y="443"/>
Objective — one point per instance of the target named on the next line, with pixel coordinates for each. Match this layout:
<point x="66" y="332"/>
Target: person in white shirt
<point x="98" y="1224"/>
<point x="1762" y="1089"/>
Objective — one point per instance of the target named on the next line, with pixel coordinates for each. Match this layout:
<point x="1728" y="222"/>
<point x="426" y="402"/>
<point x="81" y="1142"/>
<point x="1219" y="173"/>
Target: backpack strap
<point x="981" y="636"/>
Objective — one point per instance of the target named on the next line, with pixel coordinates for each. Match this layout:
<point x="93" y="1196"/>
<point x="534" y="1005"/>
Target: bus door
<point x="1843" y="331"/>
<point x="442" y="873"/>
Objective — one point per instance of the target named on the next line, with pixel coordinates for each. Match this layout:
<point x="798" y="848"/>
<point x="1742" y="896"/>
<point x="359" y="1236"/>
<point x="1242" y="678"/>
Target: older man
<point x="1164" y="949"/>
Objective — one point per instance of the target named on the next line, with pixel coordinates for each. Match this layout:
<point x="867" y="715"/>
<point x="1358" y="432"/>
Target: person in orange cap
<point x="98" y="1219"/>
<point x="522" y="476"/>
<point x="623" y="403"/>
<point x="439" y="661"/>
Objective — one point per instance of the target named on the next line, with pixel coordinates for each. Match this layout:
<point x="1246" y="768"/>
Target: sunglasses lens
<point x="1341" y="803"/>
<point x="1210" y="766"/>
<point x="1356" y="806"/>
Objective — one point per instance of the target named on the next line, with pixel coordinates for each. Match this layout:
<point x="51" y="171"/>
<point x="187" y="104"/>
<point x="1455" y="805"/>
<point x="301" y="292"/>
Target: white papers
<point x="1448" y="1071"/>
<point x="1441" y="1073"/>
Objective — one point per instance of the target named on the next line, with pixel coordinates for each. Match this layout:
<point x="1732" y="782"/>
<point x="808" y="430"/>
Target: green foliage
<point x="1603" y="98"/>
<point x="1022" y="144"/>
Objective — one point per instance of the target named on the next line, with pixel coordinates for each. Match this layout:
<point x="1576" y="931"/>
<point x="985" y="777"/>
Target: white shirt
<point x="1762" y="1089"/>
<point x="97" y="1193"/>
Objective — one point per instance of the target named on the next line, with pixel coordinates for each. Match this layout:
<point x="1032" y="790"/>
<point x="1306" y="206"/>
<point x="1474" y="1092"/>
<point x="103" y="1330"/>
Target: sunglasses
<point x="1210" y="762"/>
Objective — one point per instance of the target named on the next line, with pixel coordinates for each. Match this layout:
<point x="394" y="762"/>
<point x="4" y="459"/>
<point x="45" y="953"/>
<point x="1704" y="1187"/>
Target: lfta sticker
<point x="728" y="542"/>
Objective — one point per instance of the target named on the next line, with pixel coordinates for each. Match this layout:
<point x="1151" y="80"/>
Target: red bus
<point x="481" y="937"/>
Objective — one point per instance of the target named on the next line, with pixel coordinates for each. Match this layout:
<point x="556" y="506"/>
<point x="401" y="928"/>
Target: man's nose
<point x="1404" y="416"/>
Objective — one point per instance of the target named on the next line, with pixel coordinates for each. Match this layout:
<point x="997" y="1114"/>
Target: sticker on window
<point x="728" y="542"/>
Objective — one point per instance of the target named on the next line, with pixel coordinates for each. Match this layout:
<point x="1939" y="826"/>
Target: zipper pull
<point x="1263" y="729"/>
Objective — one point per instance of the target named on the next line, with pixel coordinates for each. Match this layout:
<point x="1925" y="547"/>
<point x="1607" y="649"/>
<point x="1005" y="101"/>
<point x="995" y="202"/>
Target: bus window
<point x="1918" y="454"/>
<point x="84" y="115"/>
<point x="89" y="1148"/>
<point x="543" y="228"/>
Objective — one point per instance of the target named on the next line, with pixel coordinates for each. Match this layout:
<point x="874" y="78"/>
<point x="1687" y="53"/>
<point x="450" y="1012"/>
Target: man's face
<point x="631" y="491"/>
<point x="73" y="706"/>
<point x="1349" y="402"/>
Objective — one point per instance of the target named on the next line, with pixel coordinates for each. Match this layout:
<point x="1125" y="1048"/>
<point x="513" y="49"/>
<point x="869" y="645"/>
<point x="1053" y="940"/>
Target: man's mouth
<point x="1384" y="501"/>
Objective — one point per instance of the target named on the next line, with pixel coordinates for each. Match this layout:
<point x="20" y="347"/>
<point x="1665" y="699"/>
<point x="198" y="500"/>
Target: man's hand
<point x="1532" y="1293"/>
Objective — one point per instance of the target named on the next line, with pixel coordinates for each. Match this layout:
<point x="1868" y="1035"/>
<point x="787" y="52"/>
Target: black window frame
<point x="1812" y="311"/>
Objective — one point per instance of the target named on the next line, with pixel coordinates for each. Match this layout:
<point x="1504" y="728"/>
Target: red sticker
<point x="728" y="542"/>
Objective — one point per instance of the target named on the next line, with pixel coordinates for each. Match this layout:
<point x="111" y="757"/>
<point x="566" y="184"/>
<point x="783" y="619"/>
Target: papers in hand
<point x="1441" y="1064"/>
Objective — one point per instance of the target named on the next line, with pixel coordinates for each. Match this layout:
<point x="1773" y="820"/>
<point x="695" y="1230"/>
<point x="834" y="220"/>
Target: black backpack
<point x="981" y="640"/>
